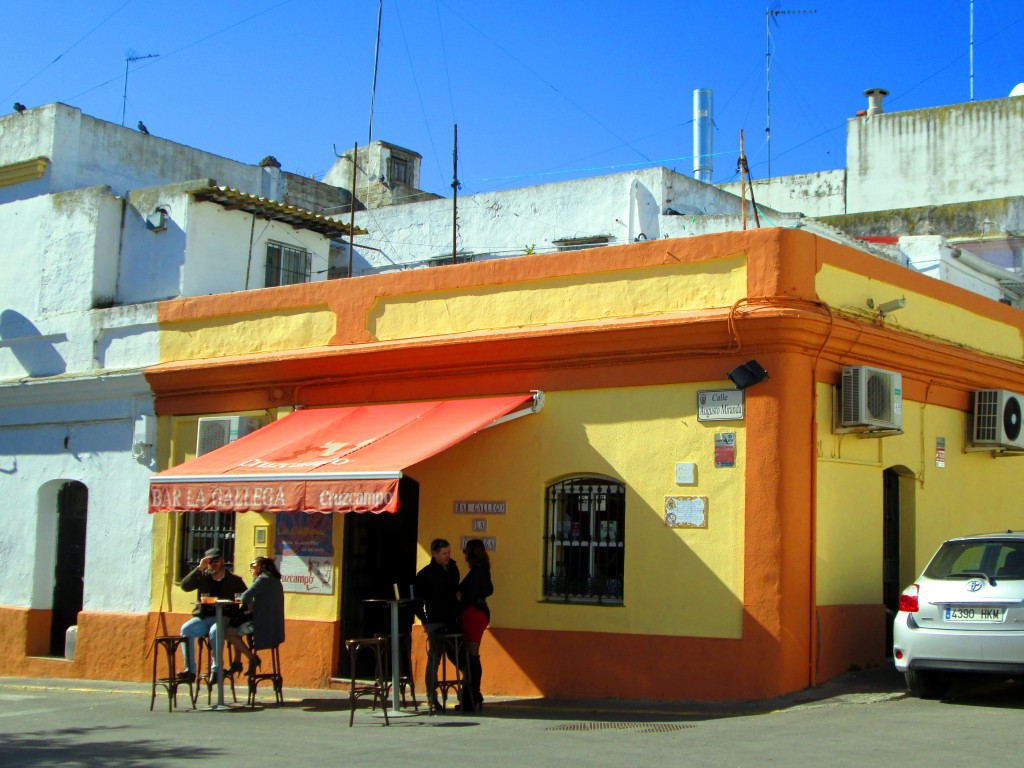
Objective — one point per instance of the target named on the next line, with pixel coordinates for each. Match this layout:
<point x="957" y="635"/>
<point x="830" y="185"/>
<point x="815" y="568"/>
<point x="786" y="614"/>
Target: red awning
<point x="328" y="459"/>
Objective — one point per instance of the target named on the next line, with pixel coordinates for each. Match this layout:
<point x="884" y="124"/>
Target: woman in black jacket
<point x="476" y="615"/>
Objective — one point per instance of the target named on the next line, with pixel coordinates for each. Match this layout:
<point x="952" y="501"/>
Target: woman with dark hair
<point x="476" y="615"/>
<point x="265" y="600"/>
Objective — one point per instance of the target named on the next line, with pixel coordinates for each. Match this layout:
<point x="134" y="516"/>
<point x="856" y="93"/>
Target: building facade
<point x="640" y="548"/>
<point x="98" y="223"/>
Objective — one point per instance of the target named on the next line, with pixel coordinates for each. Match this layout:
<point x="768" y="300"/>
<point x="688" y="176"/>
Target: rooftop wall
<point x="956" y="153"/>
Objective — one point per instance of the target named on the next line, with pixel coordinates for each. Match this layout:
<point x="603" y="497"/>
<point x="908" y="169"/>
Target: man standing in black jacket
<point x="437" y="588"/>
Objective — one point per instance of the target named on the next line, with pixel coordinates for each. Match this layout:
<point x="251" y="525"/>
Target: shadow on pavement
<point x="73" y="746"/>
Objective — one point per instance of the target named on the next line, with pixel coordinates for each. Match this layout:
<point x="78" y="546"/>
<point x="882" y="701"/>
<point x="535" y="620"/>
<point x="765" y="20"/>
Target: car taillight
<point x="908" y="600"/>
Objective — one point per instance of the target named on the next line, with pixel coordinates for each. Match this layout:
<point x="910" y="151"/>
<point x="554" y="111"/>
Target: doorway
<point x="379" y="552"/>
<point x="69" y="569"/>
<point x="898" y="535"/>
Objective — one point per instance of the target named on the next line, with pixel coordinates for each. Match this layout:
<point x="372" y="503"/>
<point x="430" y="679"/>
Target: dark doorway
<point x="69" y="570"/>
<point x="891" y="586"/>
<point x="379" y="552"/>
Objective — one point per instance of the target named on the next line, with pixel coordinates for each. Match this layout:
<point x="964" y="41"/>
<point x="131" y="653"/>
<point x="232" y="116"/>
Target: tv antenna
<point x="127" y="61"/>
<point x="770" y="15"/>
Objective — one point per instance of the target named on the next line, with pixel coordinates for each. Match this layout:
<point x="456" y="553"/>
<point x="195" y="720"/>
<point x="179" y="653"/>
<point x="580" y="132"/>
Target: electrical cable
<point x="68" y="50"/>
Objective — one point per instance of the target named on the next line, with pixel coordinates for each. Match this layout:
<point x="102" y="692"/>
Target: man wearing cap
<point x="211" y="578"/>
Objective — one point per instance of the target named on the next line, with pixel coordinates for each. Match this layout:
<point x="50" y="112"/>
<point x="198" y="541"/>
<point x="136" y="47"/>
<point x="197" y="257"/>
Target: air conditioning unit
<point x="217" y="431"/>
<point x="997" y="419"/>
<point x="871" y="397"/>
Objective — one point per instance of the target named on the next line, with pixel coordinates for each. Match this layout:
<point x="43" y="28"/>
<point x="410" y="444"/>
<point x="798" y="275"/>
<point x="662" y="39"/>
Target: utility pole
<point x="352" y="207"/>
<point x="771" y="15"/>
<point x="128" y="60"/>
<point x="455" y="195"/>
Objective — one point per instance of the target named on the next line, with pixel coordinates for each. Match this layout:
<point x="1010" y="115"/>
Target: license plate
<point x="974" y="613"/>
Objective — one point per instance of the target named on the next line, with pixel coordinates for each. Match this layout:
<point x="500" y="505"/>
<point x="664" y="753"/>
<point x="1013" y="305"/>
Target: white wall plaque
<point x="686" y="511"/>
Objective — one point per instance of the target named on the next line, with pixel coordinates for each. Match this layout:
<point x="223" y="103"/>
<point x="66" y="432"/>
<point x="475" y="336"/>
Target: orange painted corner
<point x="850" y="636"/>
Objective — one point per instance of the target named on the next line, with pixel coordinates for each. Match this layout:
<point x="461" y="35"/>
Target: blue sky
<point x="541" y="91"/>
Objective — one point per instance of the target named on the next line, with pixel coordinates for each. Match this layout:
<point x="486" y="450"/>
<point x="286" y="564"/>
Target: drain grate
<point x="635" y="727"/>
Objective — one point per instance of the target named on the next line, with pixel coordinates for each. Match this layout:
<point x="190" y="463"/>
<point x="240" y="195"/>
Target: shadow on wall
<point x="34" y="351"/>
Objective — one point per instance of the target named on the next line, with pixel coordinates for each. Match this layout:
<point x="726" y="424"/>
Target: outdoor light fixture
<point x="748" y="374"/>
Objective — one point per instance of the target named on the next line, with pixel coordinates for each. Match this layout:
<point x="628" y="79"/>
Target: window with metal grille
<point x="286" y="265"/>
<point x="201" y="531"/>
<point x="585" y="541"/>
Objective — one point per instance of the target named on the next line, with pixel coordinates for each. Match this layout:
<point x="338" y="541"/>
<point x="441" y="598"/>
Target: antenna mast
<point x="373" y="90"/>
<point x="972" y="50"/>
<point x="128" y="60"/>
<point x="769" y="15"/>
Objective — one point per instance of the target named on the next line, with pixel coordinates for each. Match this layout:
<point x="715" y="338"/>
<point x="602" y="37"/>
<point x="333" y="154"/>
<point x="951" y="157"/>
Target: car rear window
<point x="964" y="559"/>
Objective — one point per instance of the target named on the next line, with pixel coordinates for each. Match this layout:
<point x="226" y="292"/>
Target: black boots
<point x="471" y="700"/>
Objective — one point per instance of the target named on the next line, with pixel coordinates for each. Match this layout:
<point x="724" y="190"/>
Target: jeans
<point x="435" y="648"/>
<point x="192" y="629"/>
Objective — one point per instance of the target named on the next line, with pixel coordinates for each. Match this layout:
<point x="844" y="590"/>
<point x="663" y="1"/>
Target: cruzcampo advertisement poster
<point x="305" y="554"/>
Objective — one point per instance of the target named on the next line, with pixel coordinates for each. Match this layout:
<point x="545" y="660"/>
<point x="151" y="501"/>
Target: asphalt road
<point x="862" y="719"/>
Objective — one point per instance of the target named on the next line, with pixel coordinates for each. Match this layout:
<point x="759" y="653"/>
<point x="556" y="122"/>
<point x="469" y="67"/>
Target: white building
<point x="952" y="173"/>
<point x="97" y="224"/>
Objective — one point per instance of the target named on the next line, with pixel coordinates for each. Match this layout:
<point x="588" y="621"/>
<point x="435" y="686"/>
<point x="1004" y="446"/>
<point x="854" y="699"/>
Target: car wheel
<point x="926" y="683"/>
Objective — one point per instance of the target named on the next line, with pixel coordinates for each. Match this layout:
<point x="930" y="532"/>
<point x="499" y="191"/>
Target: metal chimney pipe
<point x="702" y="119"/>
<point x="875" y="96"/>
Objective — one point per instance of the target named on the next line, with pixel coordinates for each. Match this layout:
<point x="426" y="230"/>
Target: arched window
<point x="585" y="529"/>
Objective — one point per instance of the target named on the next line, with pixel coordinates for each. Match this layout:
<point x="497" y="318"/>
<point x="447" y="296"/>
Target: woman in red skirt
<point x="474" y="590"/>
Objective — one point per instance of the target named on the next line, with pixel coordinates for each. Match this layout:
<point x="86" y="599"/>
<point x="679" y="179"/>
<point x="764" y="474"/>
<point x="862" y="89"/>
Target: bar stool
<point x="273" y="675"/>
<point x="169" y="644"/>
<point x="378" y="687"/>
<point x="454" y="650"/>
<point x="405" y="679"/>
<point x="205" y="676"/>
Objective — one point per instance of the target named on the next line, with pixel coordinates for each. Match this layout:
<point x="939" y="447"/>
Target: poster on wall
<point x="725" y="449"/>
<point x="305" y="552"/>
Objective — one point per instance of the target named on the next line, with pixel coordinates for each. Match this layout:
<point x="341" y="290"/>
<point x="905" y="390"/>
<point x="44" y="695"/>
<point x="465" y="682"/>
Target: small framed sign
<point x="686" y="511"/>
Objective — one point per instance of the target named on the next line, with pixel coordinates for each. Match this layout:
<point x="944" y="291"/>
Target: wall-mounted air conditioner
<point x="872" y="398"/>
<point x="996" y="420"/>
<point x="217" y="431"/>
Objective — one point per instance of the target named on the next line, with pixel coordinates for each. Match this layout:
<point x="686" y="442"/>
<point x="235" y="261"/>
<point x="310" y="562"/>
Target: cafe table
<point x="218" y="652"/>
<point x="394" y="604"/>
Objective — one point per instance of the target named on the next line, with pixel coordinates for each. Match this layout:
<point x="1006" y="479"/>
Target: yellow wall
<point x="631" y="293"/>
<point x="636" y="433"/>
<point x="934" y="318"/>
<point x="973" y="493"/>
<point x="246" y="334"/>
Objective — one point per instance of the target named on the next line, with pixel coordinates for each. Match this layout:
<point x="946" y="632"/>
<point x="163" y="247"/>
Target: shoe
<point x="235" y="668"/>
<point x="186" y="677"/>
<point x="434" y="706"/>
<point x="254" y="664"/>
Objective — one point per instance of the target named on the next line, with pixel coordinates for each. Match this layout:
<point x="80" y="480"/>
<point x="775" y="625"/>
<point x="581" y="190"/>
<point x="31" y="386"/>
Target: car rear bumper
<point x="995" y="651"/>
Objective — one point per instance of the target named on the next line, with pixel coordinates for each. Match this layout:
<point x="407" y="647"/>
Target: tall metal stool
<point x="272" y="675"/>
<point x="169" y="644"/>
<point x="405" y="679"/>
<point x="378" y="687"/>
<point x="205" y="676"/>
<point x="454" y="649"/>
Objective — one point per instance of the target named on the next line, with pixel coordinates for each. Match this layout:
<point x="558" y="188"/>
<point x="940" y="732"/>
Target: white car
<point x="964" y="614"/>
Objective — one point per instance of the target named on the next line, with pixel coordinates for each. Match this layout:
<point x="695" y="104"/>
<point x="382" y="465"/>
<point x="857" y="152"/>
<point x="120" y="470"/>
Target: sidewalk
<point x="48" y="722"/>
<point x="881" y="683"/>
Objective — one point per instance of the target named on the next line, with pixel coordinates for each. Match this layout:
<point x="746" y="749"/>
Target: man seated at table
<point x="212" y="578"/>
